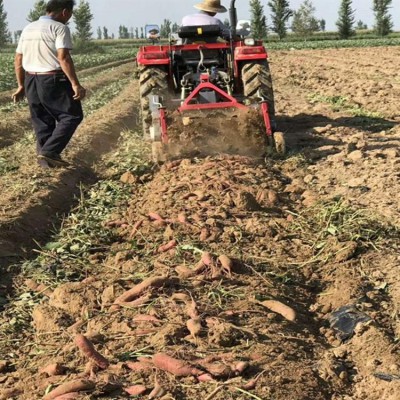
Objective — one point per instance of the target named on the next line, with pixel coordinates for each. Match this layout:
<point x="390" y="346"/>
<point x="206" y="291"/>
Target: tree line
<point x="301" y="21"/>
<point x="82" y="18"/>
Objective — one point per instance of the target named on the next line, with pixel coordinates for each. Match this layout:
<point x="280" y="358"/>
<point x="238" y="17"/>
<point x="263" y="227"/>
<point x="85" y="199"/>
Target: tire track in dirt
<point x="17" y="121"/>
<point x="27" y="216"/>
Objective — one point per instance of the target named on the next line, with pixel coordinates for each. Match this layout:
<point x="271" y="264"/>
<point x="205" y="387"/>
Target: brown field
<point x="300" y="237"/>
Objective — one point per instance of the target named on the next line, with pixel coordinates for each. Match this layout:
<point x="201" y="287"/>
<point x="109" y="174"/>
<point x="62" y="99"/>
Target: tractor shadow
<point x="302" y="136"/>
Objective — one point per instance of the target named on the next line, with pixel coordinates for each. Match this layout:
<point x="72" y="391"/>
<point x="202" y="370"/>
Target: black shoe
<point x="54" y="160"/>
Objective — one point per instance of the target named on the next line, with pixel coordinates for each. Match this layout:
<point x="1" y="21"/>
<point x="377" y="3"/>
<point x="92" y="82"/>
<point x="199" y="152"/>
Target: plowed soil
<point x="237" y="266"/>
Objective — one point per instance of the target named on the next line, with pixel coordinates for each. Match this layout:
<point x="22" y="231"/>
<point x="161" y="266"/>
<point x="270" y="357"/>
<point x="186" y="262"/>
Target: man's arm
<point x="67" y="65"/>
<point x="18" y="95"/>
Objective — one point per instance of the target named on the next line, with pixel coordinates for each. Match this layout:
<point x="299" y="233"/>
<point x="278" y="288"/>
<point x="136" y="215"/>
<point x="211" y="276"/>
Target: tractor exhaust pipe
<point x="233" y="18"/>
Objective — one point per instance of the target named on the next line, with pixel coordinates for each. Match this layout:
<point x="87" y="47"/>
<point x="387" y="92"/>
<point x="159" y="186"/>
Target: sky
<point x="137" y="13"/>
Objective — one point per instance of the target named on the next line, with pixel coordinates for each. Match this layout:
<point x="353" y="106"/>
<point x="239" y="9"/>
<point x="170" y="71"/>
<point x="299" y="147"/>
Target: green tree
<point x="39" y="9"/>
<point x="280" y="14"/>
<point x="258" y="19"/>
<point x="361" y="25"/>
<point x="83" y="18"/>
<point x="345" y="23"/>
<point x="322" y="25"/>
<point x="304" y="22"/>
<point x="175" y="27"/>
<point x="123" y="32"/>
<point x="165" y="28"/>
<point x="105" y="33"/>
<point x="137" y="33"/>
<point x="4" y="33"/>
<point x="99" y="33"/>
<point x="17" y="35"/>
<point x="383" y="20"/>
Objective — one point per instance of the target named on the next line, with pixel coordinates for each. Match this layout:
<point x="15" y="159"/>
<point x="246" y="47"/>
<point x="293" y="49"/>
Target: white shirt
<point x="39" y="43"/>
<point x="201" y="18"/>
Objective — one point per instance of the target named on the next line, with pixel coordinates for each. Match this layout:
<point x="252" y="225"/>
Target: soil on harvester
<point x="211" y="132"/>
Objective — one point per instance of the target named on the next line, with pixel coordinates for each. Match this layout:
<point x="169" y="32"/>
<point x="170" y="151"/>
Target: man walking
<point x="46" y="74"/>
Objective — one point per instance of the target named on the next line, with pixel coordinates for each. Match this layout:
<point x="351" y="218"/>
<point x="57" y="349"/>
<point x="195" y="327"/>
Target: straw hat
<point x="213" y="6"/>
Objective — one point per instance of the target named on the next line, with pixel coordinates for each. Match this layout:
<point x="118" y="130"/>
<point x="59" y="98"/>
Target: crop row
<point x="82" y="61"/>
<point x="328" y="44"/>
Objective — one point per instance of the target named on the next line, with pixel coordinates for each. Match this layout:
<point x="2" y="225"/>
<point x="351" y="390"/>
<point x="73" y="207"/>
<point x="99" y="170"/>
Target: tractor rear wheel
<point x="152" y="80"/>
<point x="257" y="81"/>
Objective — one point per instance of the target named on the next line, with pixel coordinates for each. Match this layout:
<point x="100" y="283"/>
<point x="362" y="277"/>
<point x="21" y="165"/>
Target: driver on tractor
<point x="206" y="16"/>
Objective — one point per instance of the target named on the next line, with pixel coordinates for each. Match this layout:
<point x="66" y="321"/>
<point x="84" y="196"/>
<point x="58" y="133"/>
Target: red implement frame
<point x="230" y="102"/>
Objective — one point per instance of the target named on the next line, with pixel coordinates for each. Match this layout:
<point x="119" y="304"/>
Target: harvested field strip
<point x="16" y="120"/>
<point x="239" y="271"/>
<point x="33" y="195"/>
<point x="372" y="87"/>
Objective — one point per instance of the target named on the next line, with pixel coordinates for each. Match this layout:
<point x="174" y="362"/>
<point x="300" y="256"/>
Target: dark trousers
<point x="55" y="114"/>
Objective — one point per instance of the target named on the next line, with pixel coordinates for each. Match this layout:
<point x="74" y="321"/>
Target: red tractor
<point x="205" y="75"/>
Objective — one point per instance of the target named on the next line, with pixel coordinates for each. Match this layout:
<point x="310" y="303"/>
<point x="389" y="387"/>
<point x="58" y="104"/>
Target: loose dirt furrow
<point x="34" y="199"/>
<point x="16" y="121"/>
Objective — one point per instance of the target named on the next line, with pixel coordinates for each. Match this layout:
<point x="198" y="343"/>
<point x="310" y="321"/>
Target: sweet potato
<point x="194" y="326"/>
<point x="165" y="247"/>
<point x="205" y="378"/>
<point x="204" y="234"/>
<point x="280" y="308"/>
<point x="68" y="396"/>
<point x="251" y="384"/>
<point x="155" y="216"/>
<point x="175" y="366"/>
<point x="133" y="304"/>
<point x="87" y="348"/>
<point x="241" y="366"/>
<point x="155" y="281"/>
<point x="216" y="272"/>
<point x="139" y="366"/>
<point x="180" y="297"/>
<point x="38" y="288"/>
<point x="145" y="318"/>
<point x="157" y="392"/>
<point x="226" y="263"/>
<point x="182" y="218"/>
<point x="136" y="390"/>
<point x="52" y="370"/>
<point x="191" y="310"/>
<point x="207" y="258"/>
<point x="135" y="228"/>
<point x="79" y="385"/>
